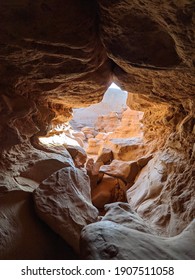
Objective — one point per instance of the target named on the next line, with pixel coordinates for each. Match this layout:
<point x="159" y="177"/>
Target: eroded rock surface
<point x="167" y="211"/>
<point x="78" y="155"/>
<point x="93" y="168"/>
<point x="63" y="201"/>
<point x="108" y="190"/>
<point x="24" y="166"/>
<point x="105" y="155"/>
<point x="126" y="171"/>
<point x="122" y="213"/>
<point x="58" y="55"/>
<point x="111" y="241"/>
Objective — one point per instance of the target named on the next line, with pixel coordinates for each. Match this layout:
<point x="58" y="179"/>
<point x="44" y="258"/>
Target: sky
<point x="113" y="85"/>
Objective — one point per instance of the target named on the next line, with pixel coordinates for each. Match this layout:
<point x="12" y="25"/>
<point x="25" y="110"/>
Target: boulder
<point x="93" y="172"/>
<point x="39" y="170"/>
<point x="126" y="149"/>
<point x="78" y="155"/>
<point x="126" y="171"/>
<point x="121" y="213"/>
<point x="108" y="190"/>
<point x="63" y="201"/>
<point x="107" y="240"/>
<point x="105" y="155"/>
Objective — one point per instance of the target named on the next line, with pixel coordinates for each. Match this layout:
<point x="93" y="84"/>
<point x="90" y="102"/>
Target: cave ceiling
<point x="55" y="55"/>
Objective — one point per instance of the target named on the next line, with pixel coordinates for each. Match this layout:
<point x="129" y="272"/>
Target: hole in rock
<point x="112" y="182"/>
<point x="107" y="140"/>
<point x="108" y="124"/>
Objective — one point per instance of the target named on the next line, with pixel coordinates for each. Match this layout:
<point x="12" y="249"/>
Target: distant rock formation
<point x="114" y="100"/>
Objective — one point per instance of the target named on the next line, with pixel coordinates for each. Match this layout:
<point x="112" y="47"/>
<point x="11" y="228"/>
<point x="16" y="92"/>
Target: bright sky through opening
<point x="113" y="85"/>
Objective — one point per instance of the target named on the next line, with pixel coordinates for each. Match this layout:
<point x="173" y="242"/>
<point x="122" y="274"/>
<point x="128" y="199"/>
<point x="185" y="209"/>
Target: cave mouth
<point x="59" y="55"/>
<point x="106" y="140"/>
<point x="108" y="124"/>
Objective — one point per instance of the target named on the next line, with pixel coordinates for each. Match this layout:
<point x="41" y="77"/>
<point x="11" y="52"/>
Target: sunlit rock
<point x="57" y="56"/>
<point x="105" y="155"/>
<point x="126" y="171"/>
<point x="78" y="155"/>
<point x="108" y="190"/>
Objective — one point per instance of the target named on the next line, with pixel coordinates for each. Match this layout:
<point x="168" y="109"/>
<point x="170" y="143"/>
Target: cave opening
<point x="126" y="175"/>
<point x="93" y="126"/>
<point x="108" y="122"/>
<point x="106" y="139"/>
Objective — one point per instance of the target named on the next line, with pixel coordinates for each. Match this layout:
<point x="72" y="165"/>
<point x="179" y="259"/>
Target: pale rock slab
<point x="63" y="201"/>
<point x="148" y="185"/>
<point x="93" y="172"/>
<point x="42" y="169"/>
<point x="108" y="240"/>
<point x="122" y="214"/>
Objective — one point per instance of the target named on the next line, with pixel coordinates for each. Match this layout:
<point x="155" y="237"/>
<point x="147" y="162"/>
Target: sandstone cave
<point x="130" y="193"/>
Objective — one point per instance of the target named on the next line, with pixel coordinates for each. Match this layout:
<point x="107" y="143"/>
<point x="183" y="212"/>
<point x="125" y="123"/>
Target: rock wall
<point x="46" y="64"/>
<point x="49" y="66"/>
<point x="58" y="55"/>
<point x="164" y="191"/>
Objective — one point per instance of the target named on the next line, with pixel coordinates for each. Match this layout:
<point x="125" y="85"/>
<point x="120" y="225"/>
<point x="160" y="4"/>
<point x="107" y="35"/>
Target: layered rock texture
<point x="121" y="131"/>
<point x="58" y="55"/>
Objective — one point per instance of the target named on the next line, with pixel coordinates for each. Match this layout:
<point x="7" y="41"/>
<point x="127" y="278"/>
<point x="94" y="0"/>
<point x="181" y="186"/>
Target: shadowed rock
<point x="63" y="202"/>
<point x="23" y="235"/>
<point x="108" y="240"/>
